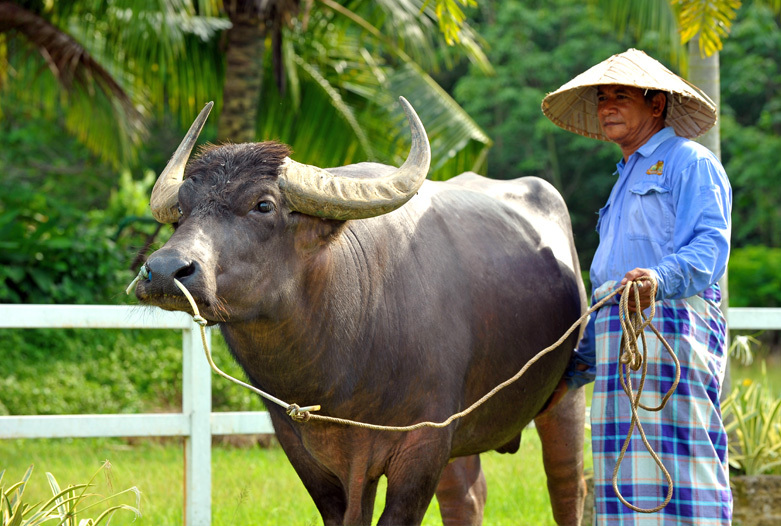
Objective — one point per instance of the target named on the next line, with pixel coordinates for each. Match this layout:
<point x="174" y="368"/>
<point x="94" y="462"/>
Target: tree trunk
<point x="243" y="77"/>
<point x="704" y="73"/>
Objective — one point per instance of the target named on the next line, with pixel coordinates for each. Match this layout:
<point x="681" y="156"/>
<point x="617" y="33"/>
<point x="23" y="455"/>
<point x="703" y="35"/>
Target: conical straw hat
<point x="574" y="105"/>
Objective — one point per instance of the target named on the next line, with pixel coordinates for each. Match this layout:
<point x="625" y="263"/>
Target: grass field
<point x="249" y="485"/>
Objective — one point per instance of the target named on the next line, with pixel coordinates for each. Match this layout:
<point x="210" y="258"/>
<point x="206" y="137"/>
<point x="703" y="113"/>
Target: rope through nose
<point x="295" y="412"/>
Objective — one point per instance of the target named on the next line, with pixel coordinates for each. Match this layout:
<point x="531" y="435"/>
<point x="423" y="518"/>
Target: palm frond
<point x="458" y="144"/>
<point x="113" y="62"/>
<point x="711" y="21"/>
<point x="647" y="20"/>
<point x="39" y="51"/>
<point x="316" y="129"/>
<point x="372" y="84"/>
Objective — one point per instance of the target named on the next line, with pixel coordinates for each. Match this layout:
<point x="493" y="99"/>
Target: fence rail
<point x="196" y="423"/>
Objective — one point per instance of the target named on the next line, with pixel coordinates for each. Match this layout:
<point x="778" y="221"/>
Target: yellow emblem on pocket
<point x="656" y="169"/>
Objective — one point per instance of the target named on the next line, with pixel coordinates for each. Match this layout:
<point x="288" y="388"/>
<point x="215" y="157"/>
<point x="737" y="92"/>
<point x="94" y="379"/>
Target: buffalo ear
<point x="312" y="233"/>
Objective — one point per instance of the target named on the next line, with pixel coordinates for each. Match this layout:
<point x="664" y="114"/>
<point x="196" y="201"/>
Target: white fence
<point x="196" y="423"/>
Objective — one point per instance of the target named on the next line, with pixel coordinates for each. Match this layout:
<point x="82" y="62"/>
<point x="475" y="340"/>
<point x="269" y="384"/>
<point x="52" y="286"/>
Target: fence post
<point x="197" y="406"/>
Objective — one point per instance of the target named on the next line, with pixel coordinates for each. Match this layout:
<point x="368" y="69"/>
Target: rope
<point x="633" y="323"/>
<point x="197" y="318"/>
<point x="631" y="357"/>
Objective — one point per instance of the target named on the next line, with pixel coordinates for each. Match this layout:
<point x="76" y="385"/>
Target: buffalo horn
<point x="318" y="192"/>
<point x="165" y="195"/>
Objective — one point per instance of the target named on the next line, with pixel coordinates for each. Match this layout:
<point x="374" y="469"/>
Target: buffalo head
<point x="250" y="222"/>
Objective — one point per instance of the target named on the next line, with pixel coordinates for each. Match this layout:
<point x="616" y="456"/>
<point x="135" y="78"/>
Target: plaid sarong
<point x="687" y="434"/>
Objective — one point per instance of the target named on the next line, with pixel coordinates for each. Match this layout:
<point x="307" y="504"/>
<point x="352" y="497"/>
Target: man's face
<point x="625" y="116"/>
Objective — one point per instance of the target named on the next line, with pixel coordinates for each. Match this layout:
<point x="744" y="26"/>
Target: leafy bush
<point x="53" y="253"/>
<point x="755" y="277"/>
<point x="753" y="422"/>
<point x="89" y="371"/>
<point x="68" y="371"/>
<point x="63" y="506"/>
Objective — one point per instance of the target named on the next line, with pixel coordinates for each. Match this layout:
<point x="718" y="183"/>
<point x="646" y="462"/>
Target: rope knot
<point x="295" y="412"/>
<point x="632" y="359"/>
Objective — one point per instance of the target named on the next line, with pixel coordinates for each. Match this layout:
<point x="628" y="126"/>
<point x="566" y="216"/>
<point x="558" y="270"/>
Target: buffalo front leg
<point x="413" y="474"/>
<point x="561" y="430"/>
<point x="462" y="492"/>
<point x="324" y="488"/>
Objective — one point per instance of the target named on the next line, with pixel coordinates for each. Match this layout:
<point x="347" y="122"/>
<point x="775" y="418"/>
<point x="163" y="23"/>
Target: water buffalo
<point x="387" y="299"/>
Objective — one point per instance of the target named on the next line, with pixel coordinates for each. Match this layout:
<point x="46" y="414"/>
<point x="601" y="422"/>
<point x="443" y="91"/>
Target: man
<point x="667" y="220"/>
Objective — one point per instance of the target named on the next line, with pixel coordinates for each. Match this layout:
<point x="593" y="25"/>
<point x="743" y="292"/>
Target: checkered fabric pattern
<point x="687" y="434"/>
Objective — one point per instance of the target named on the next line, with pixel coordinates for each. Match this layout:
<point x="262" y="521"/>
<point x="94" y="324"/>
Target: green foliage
<point x="100" y="68"/>
<point x="710" y="21"/>
<point x="68" y="232"/>
<point x="64" y="504"/>
<point x="68" y="371"/>
<point x="535" y="47"/>
<point x="755" y="277"/>
<point x="346" y="68"/>
<point x="753" y="421"/>
<point x="751" y="124"/>
<point x="451" y="17"/>
<point x="53" y="252"/>
<point x="83" y="371"/>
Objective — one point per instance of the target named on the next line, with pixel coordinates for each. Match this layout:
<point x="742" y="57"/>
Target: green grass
<point x="249" y="485"/>
<point x="765" y="370"/>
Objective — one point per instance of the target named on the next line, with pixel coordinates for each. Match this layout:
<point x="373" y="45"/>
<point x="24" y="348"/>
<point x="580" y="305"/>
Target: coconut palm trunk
<point x="704" y="73"/>
<point x="243" y="77"/>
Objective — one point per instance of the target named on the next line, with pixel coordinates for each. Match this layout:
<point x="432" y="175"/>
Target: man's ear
<point x="658" y="102"/>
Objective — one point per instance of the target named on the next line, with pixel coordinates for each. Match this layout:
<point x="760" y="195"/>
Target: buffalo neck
<point x="320" y="341"/>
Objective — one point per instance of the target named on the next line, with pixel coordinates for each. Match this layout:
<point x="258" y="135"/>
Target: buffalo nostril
<point x="163" y="268"/>
<point x="185" y="271"/>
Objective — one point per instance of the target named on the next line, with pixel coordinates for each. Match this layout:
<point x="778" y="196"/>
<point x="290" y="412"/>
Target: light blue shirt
<point x="669" y="212"/>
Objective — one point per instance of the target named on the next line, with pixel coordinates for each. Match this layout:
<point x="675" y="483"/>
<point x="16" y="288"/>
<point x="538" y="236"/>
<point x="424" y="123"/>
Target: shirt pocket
<point x="649" y="212"/>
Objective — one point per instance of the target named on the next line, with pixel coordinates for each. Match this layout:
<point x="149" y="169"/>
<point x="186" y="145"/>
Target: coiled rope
<point x="632" y="324"/>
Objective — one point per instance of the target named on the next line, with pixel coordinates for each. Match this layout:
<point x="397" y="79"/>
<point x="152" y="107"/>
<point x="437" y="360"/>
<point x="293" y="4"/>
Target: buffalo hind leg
<point x="561" y="431"/>
<point x="462" y="492"/>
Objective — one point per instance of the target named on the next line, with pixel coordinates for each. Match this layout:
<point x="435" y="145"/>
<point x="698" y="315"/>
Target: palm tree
<point x="330" y="76"/>
<point x="252" y="23"/>
<point x="102" y="67"/>
<point x="325" y="74"/>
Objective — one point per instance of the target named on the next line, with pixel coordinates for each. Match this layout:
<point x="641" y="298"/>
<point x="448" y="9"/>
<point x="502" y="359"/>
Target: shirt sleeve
<point x="586" y="354"/>
<point x="701" y="234"/>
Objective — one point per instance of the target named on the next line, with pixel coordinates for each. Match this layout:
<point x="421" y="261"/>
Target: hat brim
<point x="574" y="105"/>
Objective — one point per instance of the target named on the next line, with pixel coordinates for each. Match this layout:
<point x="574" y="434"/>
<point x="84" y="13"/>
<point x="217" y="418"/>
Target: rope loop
<point x="634" y="322"/>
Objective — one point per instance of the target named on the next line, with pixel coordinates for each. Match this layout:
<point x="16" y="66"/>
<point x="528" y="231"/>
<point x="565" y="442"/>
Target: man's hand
<point x="646" y="299"/>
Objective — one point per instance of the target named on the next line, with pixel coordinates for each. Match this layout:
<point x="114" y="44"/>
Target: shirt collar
<point x="653" y="143"/>
<point x="650" y="146"/>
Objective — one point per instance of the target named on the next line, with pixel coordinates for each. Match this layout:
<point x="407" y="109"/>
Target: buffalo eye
<point x="265" y="207"/>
